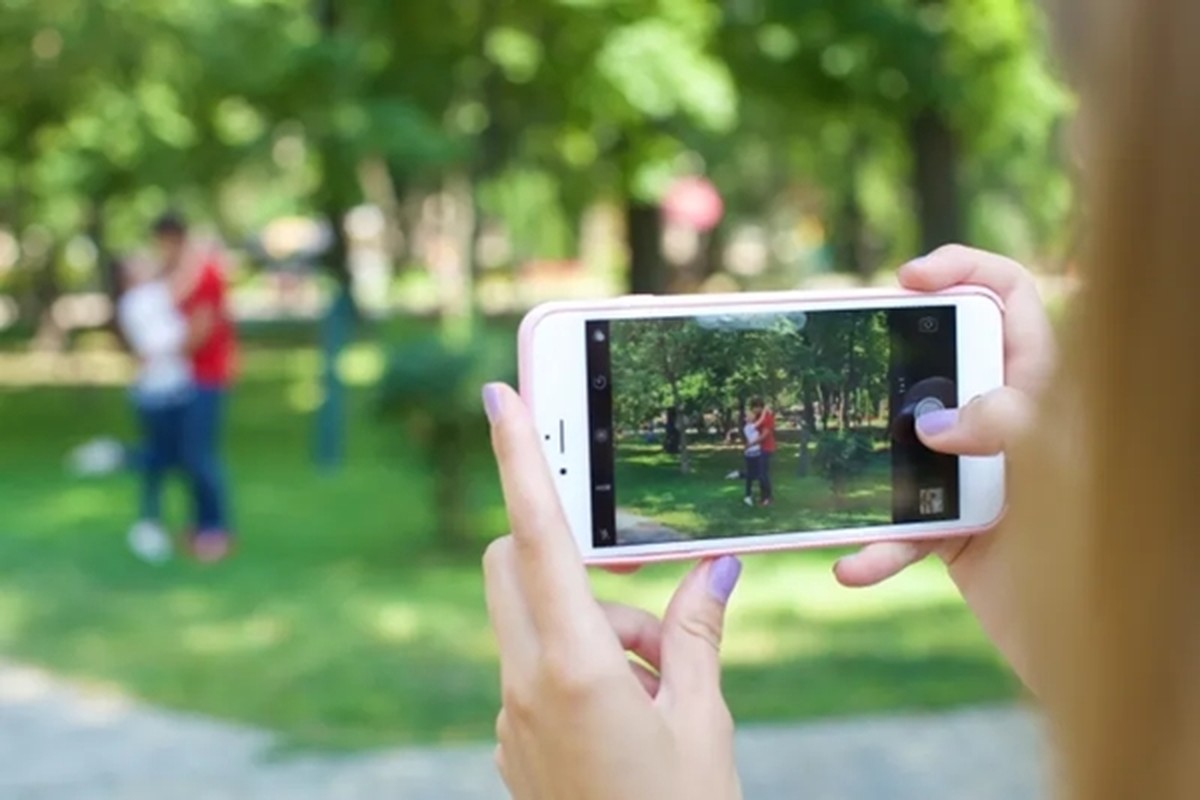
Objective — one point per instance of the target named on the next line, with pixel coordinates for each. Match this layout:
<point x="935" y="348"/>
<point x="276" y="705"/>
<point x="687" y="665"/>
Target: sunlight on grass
<point x="398" y="622"/>
<point x="785" y="605"/>
<point x="342" y="622"/>
<point x="14" y="613"/>
<point x="256" y="633"/>
<point x="361" y="365"/>
<point x="78" y="504"/>
<point x="305" y="396"/>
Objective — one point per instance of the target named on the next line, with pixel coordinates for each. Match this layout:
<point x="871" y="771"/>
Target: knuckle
<point x="998" y="418"/>
<point x="570" y="678"/>
<point x="705" y="627"/>
<point x="518" y="708"/>
<point x="953" y="251"/>
<point x="497" y="554"/>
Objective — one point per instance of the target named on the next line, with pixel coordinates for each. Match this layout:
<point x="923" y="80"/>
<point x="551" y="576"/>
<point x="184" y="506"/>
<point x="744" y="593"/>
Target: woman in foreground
<point x="1091" y="586"/>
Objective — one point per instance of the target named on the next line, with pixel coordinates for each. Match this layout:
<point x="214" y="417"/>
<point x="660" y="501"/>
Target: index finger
<point x="549" y="568"/>
<point x="1029" y="346"/>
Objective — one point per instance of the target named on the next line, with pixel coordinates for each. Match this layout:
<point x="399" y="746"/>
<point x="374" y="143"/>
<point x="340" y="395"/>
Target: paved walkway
<point x="60" y="743"/>
<point x="633" y="529"/>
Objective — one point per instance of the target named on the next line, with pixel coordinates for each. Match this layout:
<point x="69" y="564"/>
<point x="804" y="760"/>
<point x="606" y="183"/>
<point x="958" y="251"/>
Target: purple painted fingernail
<point x="937" y="422"/>
<point x="723" y="576"/>
<point x="491" y="402"/>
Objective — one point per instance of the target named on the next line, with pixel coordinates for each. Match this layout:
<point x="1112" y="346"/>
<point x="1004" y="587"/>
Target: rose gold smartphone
<point x="689" y="426"/>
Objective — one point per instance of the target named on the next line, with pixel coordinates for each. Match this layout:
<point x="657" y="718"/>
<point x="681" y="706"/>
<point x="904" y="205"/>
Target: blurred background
<point x="394" y="184"/>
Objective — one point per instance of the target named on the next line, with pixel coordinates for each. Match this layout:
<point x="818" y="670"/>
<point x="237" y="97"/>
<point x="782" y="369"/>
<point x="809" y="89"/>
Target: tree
<point x="923" y="92"/>
<point x="841" y="457"/>
<point x="657" y="365"/>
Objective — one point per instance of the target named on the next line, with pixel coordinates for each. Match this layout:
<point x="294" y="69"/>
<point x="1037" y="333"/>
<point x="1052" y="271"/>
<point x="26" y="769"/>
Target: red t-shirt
<point x="213" y="360"/>
<point x="766" y="430"/>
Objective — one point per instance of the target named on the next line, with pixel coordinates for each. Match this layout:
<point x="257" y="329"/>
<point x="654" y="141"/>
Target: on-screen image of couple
<point x="759" y="438"/>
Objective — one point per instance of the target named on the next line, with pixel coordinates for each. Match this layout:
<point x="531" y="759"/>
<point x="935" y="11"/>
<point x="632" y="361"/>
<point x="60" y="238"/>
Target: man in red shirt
<point x="198" y="282"/>
<point x="765" y="423"/>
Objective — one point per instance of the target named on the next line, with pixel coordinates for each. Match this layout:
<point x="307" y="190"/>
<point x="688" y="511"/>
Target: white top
<point x="156" y="331"/>
<point x="753" y="448"/>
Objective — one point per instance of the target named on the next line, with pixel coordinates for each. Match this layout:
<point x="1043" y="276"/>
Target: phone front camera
<point x="600" y="383"/>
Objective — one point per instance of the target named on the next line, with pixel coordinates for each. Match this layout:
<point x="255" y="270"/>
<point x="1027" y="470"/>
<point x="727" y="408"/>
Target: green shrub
<point x="431" y="390"/>
<point x="841" y="457"/>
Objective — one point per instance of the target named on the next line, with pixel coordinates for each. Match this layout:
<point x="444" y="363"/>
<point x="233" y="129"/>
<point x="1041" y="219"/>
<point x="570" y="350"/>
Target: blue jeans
<point x="201" y="458"/>
<point x="162" y="424"/>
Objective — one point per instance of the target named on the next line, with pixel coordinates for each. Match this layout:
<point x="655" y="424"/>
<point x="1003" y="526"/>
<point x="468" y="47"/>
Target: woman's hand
<point x="579" y="718"/>
<point x="979" y="565"/>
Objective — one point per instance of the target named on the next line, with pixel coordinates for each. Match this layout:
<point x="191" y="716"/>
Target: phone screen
<point x="754" y="424"/>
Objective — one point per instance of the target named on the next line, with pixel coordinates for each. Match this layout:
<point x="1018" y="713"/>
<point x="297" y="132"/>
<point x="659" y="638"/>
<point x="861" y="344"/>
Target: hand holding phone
<point x="693" y="426"/>
<point x="981" y="566"/>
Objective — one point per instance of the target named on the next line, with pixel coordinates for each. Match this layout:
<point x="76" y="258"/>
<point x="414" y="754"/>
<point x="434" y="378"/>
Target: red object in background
<point x="695" y="203"/>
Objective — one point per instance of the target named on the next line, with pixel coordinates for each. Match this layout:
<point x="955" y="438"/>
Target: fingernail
<point x="917" y="262"/>
<point x="491" y="402"/>
<point x="723" y="576"/>
<point x="936" y="422"/>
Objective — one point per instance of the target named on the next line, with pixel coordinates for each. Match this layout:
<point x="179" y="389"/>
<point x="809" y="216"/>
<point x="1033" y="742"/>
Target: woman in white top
<point x="156" y="333"/>
<point x="754" y="458"/>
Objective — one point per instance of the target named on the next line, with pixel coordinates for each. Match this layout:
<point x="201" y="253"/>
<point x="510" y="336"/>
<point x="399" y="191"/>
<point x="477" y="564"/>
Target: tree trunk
<point x="851" y="245"/>
<point x="647" y="269"/>
<point x="671" y="435"/>
<point x="935" y="180"/>
<point x="450" y="474"/>
<point x="804" y="461"/>
<point x="489" y="156"/>
<point x="333" y="204"/>
<point x="839" y="492"/>
<point x="46" y="290"/>
<point x="685" y="459"/>
<point x="713" y="253"/>
<point x="851" y="378"/>
<point x="337" y="257"/>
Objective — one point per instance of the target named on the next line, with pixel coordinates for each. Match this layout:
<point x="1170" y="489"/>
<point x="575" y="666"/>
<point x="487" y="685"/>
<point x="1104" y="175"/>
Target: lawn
<point x="340" y="623"/>
<point x="706" y="503"/>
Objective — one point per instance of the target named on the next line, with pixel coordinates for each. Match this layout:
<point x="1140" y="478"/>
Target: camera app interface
<point x="750" y="424"/>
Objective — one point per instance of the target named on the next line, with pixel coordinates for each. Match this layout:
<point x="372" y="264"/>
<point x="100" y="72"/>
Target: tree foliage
<point x="830" y="368"/>
<point x="247" y="110"/>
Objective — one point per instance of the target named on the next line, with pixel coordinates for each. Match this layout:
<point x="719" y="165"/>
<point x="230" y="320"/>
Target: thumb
<point x="692" y="630"/>
<point x="984" y="427"/>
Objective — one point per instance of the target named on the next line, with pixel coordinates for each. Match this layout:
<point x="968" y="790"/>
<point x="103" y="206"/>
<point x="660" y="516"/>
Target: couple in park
<point x="759" y="434"/>
<point x="172" y="315"/>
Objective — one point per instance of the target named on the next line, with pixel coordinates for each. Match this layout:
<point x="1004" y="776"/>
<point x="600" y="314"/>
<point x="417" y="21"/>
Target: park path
<point x="58" y="742"/>
<point x="635" y="529"/>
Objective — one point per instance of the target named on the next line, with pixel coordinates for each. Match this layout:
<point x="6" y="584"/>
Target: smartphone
<point x="678" y="427"/>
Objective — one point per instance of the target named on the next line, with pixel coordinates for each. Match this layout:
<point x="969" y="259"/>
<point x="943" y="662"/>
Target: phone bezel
<point x="554" y="380"/>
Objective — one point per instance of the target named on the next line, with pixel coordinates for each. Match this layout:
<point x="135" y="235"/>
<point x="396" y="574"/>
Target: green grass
<point x="341" y="624"/>
<point x="704" y="503"/>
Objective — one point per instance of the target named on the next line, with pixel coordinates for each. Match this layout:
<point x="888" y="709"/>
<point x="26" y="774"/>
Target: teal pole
<point x="331" y="422"/>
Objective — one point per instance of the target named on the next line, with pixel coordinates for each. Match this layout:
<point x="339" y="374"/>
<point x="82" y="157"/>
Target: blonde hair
<point x="1112" y="529"/>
